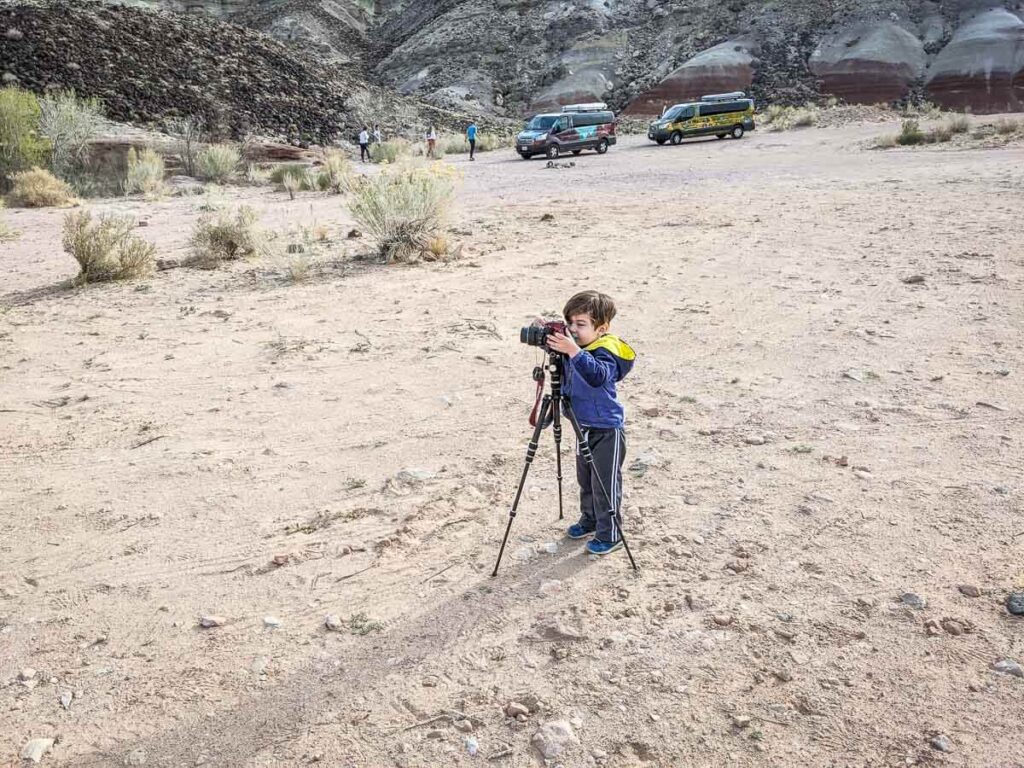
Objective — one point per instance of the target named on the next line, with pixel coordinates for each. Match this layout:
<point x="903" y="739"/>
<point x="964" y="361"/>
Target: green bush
<point x="404" y="209"/>
<point x="107" y="249"/>
<point x="145" y="174"/>
<point x="910" y="134"/>
<point x="38" y="188"/>
<point x="70" y="123"/>
<point x="389" y="151"/>
<point x="958" y="124"/>
<point x="218" y="163"/>
<point x="336" y="174"/>
<point x="21" y="145"/>
<point x="222" y="236"/>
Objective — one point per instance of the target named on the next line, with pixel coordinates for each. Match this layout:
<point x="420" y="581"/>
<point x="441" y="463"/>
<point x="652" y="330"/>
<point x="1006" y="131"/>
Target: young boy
<point x="596" y="360"/>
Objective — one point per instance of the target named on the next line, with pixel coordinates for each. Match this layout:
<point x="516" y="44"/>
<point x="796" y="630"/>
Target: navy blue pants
<point x="597" y="511"/>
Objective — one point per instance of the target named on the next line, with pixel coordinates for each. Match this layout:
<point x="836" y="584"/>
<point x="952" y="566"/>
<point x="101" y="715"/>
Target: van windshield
<point x="541" y="123"/>
<point x="678" y="112"/>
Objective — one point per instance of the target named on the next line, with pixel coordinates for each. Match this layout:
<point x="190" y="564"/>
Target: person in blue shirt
<point x="471" y="136"/>
<point x="595" y="362"/>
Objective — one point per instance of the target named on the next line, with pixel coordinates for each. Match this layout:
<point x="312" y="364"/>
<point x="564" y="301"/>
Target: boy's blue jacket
<point x="590" y="379"/>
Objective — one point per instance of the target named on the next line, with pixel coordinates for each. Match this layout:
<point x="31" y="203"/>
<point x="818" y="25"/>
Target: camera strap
<point x="538" y="376"/>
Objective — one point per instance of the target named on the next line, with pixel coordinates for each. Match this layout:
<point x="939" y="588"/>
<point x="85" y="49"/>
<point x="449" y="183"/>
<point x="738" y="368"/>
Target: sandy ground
<point x="164" y="441"/>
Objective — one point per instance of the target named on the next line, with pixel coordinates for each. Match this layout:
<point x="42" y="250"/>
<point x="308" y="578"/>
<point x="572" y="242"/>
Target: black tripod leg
<point x="556" y="427"/>
<point x="588" y="457"/>
<point x="531" y="451"/>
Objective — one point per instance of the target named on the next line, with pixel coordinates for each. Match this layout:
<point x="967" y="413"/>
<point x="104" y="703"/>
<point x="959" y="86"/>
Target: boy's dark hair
<point x="599" y="306"/>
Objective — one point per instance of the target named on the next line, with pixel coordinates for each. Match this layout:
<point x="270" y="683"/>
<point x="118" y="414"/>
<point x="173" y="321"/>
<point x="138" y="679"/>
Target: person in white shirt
<point x="364" y="144"/>
<point x="431" y="141"/>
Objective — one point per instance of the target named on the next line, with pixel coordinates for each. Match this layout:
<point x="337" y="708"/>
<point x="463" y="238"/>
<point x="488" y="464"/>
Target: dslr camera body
<point x="537" y="335"/>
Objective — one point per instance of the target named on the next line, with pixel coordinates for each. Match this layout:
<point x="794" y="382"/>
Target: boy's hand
<point x="564" y="344"/>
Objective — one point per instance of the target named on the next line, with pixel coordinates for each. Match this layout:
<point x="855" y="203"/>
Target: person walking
<point x="376" y="134"/>
<point x="364" y="144"/>
<point x="431" y="141"/>
<point x="471" y="137"/>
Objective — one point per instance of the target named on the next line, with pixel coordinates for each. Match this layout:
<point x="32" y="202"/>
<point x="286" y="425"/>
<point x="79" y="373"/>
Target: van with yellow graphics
<point x="721" y="115"/>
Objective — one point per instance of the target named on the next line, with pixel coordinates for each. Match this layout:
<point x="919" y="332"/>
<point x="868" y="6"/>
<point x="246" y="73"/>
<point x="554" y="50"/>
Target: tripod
<point x="553" y="405"/>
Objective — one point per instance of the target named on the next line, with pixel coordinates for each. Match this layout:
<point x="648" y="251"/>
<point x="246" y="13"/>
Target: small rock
<point x="931" y="627"/>
<point x="208" y="622"/>
<point x="860" y="474"/>
<point x="26" y="674"/>
<point x="754" y="440"/>
<point x="942" y="743"/>
<point x="914" y="601"/>
<point x="784" y="675"/>
<point x="14" y="34"/>
<point x="271" y="622"/>
<point x="554" y="738"/>
<point x="550" y="548"/>
<point x="514" y="709"/>
<point x="953" y="626"/>
<point x="65" y="699"/>
<point x="722" y="619"/>
<point x="1008" y="667"/>
<point x="333" y="622"/>
<point x="1015" y="603"/>
<point x="472" y="747"/>
<point x="413" y="476"/>
<point x="35" y="749"/>
<point x="466" y="726"/>
<point x="969" y="590"/>
<point x="652" y="413"/>
<point x="354" y="233"/>
<point x="740" y="721"/>
<point x="436" y="734"/>
<point x="913" y="279"/>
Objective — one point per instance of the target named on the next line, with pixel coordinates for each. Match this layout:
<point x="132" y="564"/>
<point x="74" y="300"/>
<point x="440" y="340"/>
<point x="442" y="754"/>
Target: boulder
<point x="869" y="63"/>
<point x="724" y="68"/>
<point x="590" y="65"/>
<point x="982" y="66"/>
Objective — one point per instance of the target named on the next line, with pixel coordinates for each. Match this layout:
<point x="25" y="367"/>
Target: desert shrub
<point x="188" y="136"/>
<point x="1005" y="126"/>
<point x="458" y="144"/>
<point x="218" y="162"/>
<point x="939" y="134"/>
<point x="21" y="145"/>
<point x="293" y="182"/>
<point x="389" y="151"/>
<point x="256" y="175"/>
<point x="38" y="188"/>
<point x="958" y="124"/>
<point x="296" y="169"/>
<point x="404" y="209"/>
<point x="6" y="233"/>
<point x="106" y="249"/>
<point x="888" y="141"/>
<point x="336" y="172"/>
<point x="910" y="134"/>
<point x="70" y="123"/>
<point x="225" y="236"/>
<point x="783" y="118"/>
<point x="145" y="175"/>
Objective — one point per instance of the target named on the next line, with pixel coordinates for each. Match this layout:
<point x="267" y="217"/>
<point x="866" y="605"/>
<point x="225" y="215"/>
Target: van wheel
<point x="602" y="146"/>
<point x="660" y="141"/>
<point x="553" y="152"/>
<point x="737" y="132"/>
<point x="576" y="151"/>
<point x="676" y="137"/>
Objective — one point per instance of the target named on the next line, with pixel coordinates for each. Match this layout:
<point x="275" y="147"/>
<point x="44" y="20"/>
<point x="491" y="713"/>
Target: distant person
<point x="376" y="134"/>
<point x="471" y="137"/>
<point x="431" y="141"/>
<point x="364" y="144"/>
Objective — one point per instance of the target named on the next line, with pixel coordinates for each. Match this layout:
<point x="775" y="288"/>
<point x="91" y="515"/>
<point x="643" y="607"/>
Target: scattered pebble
<point x="26" y="674"/>
<point x="35" y="749"/>
<point x="953" y="626"/>
<point x="472" y="747"/>
<point x="914" y="601"/>
<point x="550" y="548"/>
<point x="722" y="619"/>
<point x="208" y="622"/>
<point x="913" y="279"/>
<point x="942" y="743"/>
<point x="754" y="440"/>
<point x="65" y="699"/>
<point x="740" y="721"/>
<point x="1008" y="667"/>
<point x="466" y="726"/>
<point x="271" y="622"/>
<point x="969" y="590"/>
<point x="554" y="738"/>
<point x="333" y="622"/>
<point x="1015" y="603"/>
<point x="514" y="709"/>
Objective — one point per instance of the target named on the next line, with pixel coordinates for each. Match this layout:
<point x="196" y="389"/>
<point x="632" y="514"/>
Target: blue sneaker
<point x="577" y="531"/>
<point x="596" y="547"/>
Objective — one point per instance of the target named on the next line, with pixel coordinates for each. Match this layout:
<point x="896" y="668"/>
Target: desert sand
<point x="824" y="446"/>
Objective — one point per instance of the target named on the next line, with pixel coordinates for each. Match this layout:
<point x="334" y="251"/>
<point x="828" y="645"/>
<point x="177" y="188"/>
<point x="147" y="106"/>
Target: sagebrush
<point x="106" y="249"/>
<point x="145" y="174"/>
<point x="404" y="209"/>
<point x="21" y="145"/>
<point x="38" y="188"/>
<point x="222" y="236"/>
<point x="188" y="134"/>
<point x="70" y="123"/>
<point x="218" y="163"/>
<point x="390" y="151"/>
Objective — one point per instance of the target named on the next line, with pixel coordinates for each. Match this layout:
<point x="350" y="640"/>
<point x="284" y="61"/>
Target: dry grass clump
<point x="222" y="236"/>
<point x="70" y="123"/>
<point x="336" y="174"/>
<point x="404" y="209"/>
<point x="6" y="233"/>
<point x="294" y="177"/>
<point x="1005" y="126"/>
<point x="145" y="175"/>
<point x="458" y="144"/>
<point x="783" y="118"/>
<point x="911" y="134"/>
<point x="218" y="163"/>
<point x="38" y="188"/>
<point x="106" y="249"/>
<point x="390" y="151"/>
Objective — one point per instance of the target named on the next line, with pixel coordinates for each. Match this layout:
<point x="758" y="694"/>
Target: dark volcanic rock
<point x="869" y="63"/>
<point x="146" y="66"/>
<point x="724" y="68"/>
<point x="982" y="67"/>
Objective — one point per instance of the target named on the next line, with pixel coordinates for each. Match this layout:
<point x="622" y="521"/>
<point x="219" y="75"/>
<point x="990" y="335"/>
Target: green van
<point x="721" y="115"/>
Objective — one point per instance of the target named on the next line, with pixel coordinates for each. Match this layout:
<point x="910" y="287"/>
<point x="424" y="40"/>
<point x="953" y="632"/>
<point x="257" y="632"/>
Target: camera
<point x="537" y="335"/>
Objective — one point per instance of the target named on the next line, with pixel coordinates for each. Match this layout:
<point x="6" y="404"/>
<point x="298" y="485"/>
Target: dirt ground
<point x="812" y="435"/>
